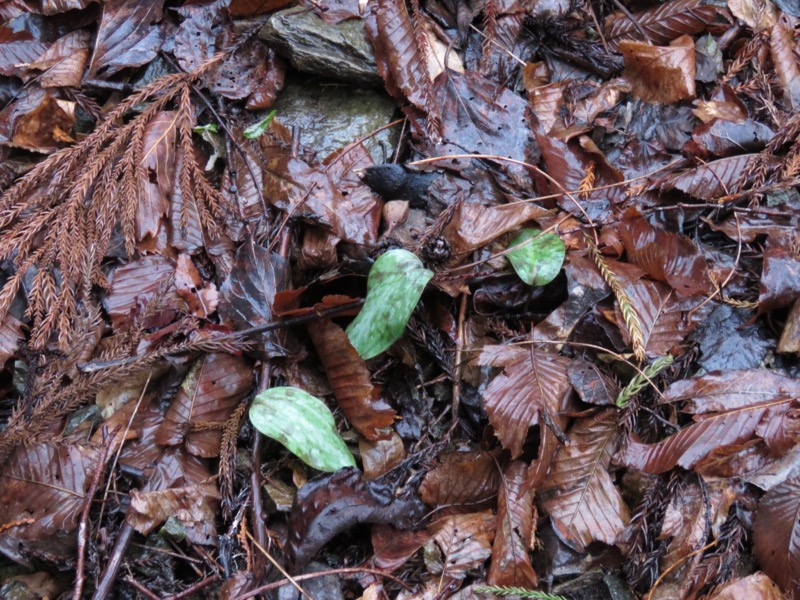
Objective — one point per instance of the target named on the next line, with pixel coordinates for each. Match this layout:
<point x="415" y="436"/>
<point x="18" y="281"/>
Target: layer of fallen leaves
<point x="159" y="269"/>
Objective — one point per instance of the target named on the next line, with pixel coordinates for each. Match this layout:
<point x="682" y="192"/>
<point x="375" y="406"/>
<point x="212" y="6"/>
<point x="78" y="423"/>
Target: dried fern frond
<point x="57" y="221"/>
<point x="632" y="321"/>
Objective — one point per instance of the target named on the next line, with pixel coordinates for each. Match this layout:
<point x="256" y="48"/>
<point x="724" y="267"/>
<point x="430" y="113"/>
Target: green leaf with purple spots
<point x="394" y="287"/>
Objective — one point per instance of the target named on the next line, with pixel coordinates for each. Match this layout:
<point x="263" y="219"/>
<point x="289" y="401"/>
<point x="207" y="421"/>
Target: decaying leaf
<point x="460" y="543"/>
<point x="660" y="74"/>
<point x="579" y="493"/>
<point x="63" y="62"/>
<point x="331" y="504"/>
<point x="511" y="564"/>
<point x="193" y="506"/>
<point x="462" y="482"/>
<point x="350" y="380"/>
<point x="381" y="456"/>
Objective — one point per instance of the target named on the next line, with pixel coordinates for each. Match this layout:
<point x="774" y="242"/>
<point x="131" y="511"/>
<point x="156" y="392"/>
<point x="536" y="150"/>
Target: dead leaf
<point x="579" y="493"/>
<point x="660" y="74"/>
<point x="381" y="456"/>
<point x="63" y="62"/>
<point x="511" y="564"/>
<point x="157" y="179"/>
<point x="787" y="65"/>
<point x="393" y="547"/>
<point x="460" y="543"/>
<point x="758" y="14"/>
<point x="201" y="297"/>
<point x="17" y="50"/>
<point x="194" y="506"/>
<point x="462" y="481"/>
<point x="753" y="587"/>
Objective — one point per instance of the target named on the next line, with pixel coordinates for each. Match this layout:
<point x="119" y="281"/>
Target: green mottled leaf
<point x="394" y="287"/>
<point x="258" y="129"/>
<point x="538" y="258"/>
<point x="303" y="424"/>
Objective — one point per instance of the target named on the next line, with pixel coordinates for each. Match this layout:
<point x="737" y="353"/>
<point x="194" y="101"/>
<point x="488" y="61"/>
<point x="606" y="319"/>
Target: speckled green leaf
<point x="394" y="287"/>
<point x="539" y="257"/>
<point x="303" y="424"/>
<point x="256" y="130"/>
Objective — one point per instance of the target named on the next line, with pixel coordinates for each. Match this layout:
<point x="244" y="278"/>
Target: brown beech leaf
<point x="663" y="22"/>
<point x="511" y="564"/>
<point x="129" y="35"/>
<point x="138" y="284"/>
<point x="758" y="14"/>
<point x="474" y="225"/>
<point x="515" y="400"/>
<point x="63" y="62"/>
<point x="460" y="543"/>
<point x="194" y="506"/>
<point x="247" y="295"/>
<point x="350" y="380"/>
<point x="780" y="274"/>
<point x="462" y="481"/>
<point x="729" y="408"/>
<point x="776" y="534"/>
<point x="44" y="484"/>
<point x="393" y="547"/>
<point x="305" y="191"/>
<point x="660" y="73"/>
<point x="787" y="65"/>
<point x="157" y="178"/>
<point x="37" y="121"/>
<point x="721" y="138"/>
<point x="381" y="456"/>
<point x="402" y="62"/>
<point x="17" y="50"/>
<point x="330" y="504"/>
<point x="715" y="179"/>
<point x="10" y="337"/>
<point x="579" y="493"/>
<point x="666" y="256"/>
<point x="212" y="389"/>
<point x="753" y="587"/>
<point x="201" y="297"/>
<point x="592" y="385"/>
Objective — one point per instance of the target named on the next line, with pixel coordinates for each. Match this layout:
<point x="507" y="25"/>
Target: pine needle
<point x="632" y="321"/>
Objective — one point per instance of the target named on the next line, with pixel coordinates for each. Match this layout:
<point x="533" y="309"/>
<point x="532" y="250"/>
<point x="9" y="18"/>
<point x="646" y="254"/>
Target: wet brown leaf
<point x="246" y="296"/>
<point x="129" y="36"/>
<point x="17" y="50"/>
<point x="208" y="395"/>
<point x="729" y="408"/>
<point x="515" y="400"/>
<point x="776" y="534"/>
<point x="592" y="385"/>
<point x="460" y="543"/>
<point x="194" y="506"/>
<point x="474" y="225"/>
<point x="462" y="481"/>
<point x="787" y="65"/>
<point x="157" y="180"/>
<point x="663" y="22"/>
<point x="753" y="587"/>
<point x="37" y="121"/>
<point x="579" y="493"/>
<point x="350" y="380"/>
<point x="63" y="62"/>
<point x="381" y="456"/>
<point x="721" y="138"/>
<point x="511" y="564"/>
<point x="331" y="504"/>
<point x="660" y="74"/>
<point x="46" y="484"/>
<point x="393" y="547"/>
<point x="712" y="180"/>
<point x="201" y="297"/>
<point x="10" y="337"/>
<point x="780" y="275"/>
<point x="758" y="14"/>
<point x="667" y="257"/>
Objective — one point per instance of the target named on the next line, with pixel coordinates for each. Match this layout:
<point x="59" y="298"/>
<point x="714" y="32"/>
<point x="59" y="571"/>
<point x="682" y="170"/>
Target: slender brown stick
<point x="196" y="587"/>
<point x="83" y="527"/>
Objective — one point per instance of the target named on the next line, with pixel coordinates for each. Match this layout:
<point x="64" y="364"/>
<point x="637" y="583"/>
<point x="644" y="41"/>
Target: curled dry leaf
<point x="194" y="506"/>
<point x="515" y="400"/>
<point x="43" y="490"/>
<point x="511" y="564"/>
<point x="460" y="543"/>
<point x="331" y="504"/>
<point x="37" y="121"/>
<point x="729" y="408"/>
<point x="776" y="534"/>
<point x="660" y="74"/>
<point x="212" y="389"/>
<point x="758" y="14"/>
<point x="393" y="547"/>
<point x="462" y="481"/>
<point x="350" y="380"/>
<point x="579" y="493"/>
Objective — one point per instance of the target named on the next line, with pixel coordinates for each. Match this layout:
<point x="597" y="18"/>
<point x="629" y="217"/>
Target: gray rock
<point x="339" y="50"/>
<point x="332" y="115"/>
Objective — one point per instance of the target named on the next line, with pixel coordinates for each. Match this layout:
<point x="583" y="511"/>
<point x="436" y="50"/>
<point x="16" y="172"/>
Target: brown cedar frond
<point x="587" y="183"/>
<point x="433" y="123"/>
<point x="489" y="30"/>
<point x="227" y="458"/>
<point x="59" y="218"/>
<point x="632" y="321"/>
